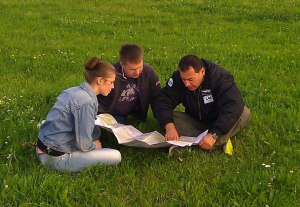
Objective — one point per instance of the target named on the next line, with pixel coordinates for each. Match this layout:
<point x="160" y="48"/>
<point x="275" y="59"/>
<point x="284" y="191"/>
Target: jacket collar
<point x="86" y="87"/>
<point x="120" y="73"/>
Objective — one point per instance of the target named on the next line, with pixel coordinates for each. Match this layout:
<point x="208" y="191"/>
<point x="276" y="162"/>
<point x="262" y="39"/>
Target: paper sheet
<point x="130" y="136"/>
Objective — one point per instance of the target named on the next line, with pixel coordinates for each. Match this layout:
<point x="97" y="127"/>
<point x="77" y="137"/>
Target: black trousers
<point x="188" y="126"/>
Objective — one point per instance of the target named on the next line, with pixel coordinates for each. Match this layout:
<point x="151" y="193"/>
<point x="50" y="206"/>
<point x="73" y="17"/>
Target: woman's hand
<point x="98" y="144"/>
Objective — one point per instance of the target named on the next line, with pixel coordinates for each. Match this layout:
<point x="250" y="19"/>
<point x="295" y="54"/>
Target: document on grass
<point x="126" y="133"/>
<point x="130" y="136"/>
<point x="107" y="121"/>
<point x="183" y="141"/>
<point x="188" y="141"/>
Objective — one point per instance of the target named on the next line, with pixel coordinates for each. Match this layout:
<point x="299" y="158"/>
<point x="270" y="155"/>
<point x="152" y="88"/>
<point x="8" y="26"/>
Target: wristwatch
<point x="215" y="136"/>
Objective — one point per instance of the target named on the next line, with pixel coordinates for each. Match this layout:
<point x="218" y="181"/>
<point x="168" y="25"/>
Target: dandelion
<point x="263" y="164"/>
<point x="6" y="142"/>
<point x="6" y="186"/>
<point x="267" y="166"/>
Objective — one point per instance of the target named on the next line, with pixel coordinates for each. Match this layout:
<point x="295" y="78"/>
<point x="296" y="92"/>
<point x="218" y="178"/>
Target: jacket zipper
<point x="198" y="103"/>
<point x="200" y="117"/>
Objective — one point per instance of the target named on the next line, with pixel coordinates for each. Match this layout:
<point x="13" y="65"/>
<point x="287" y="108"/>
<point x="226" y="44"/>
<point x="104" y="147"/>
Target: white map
<point x="130" y="136"/>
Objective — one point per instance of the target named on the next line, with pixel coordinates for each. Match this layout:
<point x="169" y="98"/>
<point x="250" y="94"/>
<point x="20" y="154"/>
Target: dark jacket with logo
<point x="149" y="87"/>
<point x="217" y="101"/>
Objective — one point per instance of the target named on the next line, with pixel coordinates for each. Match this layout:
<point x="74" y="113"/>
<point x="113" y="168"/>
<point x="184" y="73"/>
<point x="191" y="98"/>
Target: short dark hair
<point x="190" y="60"/>
<point x="130" y="53"/>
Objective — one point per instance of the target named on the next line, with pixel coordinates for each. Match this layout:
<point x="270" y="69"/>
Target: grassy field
<point x="44" y="45"/>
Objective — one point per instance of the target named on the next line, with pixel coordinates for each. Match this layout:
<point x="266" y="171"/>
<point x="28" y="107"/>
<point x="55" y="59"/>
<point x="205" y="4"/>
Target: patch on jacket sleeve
<point x="170" y="82"/>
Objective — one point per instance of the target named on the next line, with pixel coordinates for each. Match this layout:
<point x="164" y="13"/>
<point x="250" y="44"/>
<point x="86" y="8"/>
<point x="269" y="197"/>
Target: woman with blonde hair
<point x="68" y="139"/>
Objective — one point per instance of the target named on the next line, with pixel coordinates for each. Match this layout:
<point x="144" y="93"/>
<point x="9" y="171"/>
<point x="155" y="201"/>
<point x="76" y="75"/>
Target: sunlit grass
<point x="44" y="45"/>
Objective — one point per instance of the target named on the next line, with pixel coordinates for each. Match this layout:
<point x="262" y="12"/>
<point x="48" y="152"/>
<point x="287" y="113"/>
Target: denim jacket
<point x="70" y="123"/>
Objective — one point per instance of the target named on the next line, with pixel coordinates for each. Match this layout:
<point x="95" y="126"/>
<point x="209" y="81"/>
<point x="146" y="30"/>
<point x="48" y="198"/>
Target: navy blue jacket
<point x="217" y="101"/>
<point x="149" y="87"/>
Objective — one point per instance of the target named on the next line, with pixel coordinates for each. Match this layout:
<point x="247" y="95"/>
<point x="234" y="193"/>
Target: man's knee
<point x="245" y="117"/>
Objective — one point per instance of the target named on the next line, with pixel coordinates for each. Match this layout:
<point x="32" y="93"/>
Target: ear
<point x="99" y="80"/>
<point x="202" y="71"/>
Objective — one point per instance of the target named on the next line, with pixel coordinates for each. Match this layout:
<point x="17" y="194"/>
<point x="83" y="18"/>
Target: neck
<point x="95" y="88"/>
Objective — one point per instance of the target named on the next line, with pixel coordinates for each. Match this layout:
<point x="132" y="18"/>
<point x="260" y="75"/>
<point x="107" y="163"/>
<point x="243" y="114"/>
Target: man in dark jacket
<point x="136" y="86"/>
<point x="211" y="99"/>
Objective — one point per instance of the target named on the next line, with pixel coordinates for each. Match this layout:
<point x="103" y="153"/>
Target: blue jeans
<point x="79" y="160"/>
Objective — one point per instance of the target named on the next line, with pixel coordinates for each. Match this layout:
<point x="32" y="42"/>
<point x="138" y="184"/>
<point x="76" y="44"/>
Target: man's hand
<point x="207" y="142"/>
<point x="171" y="132"/>
<point x="98" y="144"/>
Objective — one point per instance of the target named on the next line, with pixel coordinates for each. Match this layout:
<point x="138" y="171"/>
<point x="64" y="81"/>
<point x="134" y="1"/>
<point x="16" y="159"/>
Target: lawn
<point x="44" y="45"/>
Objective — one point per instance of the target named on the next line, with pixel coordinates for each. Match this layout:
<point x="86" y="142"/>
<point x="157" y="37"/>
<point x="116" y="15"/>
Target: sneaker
<point x="173" y="150"/>
<point x="228" y="148"/>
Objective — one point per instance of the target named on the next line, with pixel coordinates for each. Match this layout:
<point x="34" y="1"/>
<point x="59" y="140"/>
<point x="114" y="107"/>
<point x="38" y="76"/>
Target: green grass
<point x="44" y="45"/>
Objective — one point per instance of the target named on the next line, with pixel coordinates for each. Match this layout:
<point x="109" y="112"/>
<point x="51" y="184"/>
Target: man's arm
<point x="207" y="142"/>
<point x="168" y="98"/>
<point x="155" y="88"/>
<point x="171" y="132"/>
<point x="230" y="105"/>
